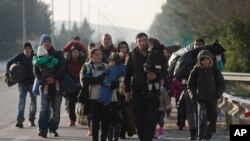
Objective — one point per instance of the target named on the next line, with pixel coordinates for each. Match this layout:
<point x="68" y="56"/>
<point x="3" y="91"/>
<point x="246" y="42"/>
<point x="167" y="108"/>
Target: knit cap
<point x="45" y="37"/>
<point x="27" y="44"/>
<point x="41" y="51"/>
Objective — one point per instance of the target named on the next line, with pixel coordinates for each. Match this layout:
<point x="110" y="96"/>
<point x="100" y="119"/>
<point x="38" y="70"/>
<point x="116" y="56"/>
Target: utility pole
<point x="53" y="24"/>
<point x="99" y="23"/>
<point x="81" y="12"/>
<point x="89" y="11"/>
<point x="24" y="22"/>
<point x="69" y="20"/>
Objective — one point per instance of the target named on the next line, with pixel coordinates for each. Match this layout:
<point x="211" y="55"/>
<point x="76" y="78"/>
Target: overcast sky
<point x="136" y="14"/>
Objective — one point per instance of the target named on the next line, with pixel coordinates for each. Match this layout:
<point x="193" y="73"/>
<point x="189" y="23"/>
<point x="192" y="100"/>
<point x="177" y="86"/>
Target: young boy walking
<point x="206" y="86"/>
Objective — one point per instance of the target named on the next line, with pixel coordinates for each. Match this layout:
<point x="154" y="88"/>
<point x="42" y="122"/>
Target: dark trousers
<point x="72" y="99"/>
<point x="123" y="129"/>
<point x="100" y="115"/>
<point x="114" y="131"/>
<point x="146" y="111"/>
<point x="207" y="112"/>
<point x="191" y="111"/>
<point x="160" y="118"/>
<point x="181" y="111"/>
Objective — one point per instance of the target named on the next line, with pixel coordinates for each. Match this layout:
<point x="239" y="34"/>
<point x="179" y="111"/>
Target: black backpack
<point x="184" y="65"/>
<point x="187" y="60"/>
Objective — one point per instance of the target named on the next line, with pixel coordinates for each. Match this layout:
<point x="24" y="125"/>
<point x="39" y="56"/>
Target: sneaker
<point x="32" y="123"/>
<point x="42" y="134"/>
<point x="72" y="123"/>
<point x="54" y="134"/>
<point x="19" y="124"/>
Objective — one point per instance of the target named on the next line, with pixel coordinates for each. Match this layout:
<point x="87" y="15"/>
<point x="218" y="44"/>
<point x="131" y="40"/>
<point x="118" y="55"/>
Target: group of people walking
<point x="114" y="78"/>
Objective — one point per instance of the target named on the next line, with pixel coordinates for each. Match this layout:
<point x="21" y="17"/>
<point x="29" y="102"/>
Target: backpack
<point x="174" y="58"/>
<point x="187" y="58"/>
<point x="184" y="65"/>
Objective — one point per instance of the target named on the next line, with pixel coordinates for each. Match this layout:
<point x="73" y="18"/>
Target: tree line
<point x="180" y="20"/>
<point x="84" y="30"/>
<point x="38" y="21"/>
<point x="225" y="20"/>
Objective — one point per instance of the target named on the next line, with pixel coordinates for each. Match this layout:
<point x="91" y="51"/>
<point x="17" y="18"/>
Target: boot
<point x="32" y="123"/>
<point x="19" y="124"/>
<point x="42" y="134"/>
<point x="193" y="134"/>
<point x="53" y="134"/>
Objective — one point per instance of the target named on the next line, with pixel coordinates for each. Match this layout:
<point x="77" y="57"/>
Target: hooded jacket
<point x="205" y="84"/>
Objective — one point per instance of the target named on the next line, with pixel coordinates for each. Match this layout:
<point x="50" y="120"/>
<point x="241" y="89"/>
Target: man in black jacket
<point x="25" y="85"/>
<point x="146" y="105"/>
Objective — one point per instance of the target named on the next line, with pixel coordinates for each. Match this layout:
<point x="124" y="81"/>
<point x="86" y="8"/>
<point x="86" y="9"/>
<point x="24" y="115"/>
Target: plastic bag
<point x="81" y="118"/>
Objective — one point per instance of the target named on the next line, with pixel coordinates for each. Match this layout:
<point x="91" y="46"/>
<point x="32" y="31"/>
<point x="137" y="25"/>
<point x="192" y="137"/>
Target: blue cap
<point x="45" y="37"/>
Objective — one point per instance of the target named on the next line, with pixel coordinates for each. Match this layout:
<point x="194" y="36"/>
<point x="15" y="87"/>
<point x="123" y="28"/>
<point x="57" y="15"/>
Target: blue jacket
<point x="113" y="74"/>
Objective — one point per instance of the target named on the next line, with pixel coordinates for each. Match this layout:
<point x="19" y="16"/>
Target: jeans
<point x="49" y="117"/>
<point x="23" y="90"/>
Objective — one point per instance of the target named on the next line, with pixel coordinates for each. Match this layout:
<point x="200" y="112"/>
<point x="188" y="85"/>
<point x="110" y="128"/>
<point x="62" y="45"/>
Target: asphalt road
<point x="8" y="131"/>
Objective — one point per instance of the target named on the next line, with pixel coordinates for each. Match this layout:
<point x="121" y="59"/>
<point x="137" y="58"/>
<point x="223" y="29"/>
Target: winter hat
<point x="41" y="51"/>
<point x="27" y="44"/>
<point x="45" y="37"/>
